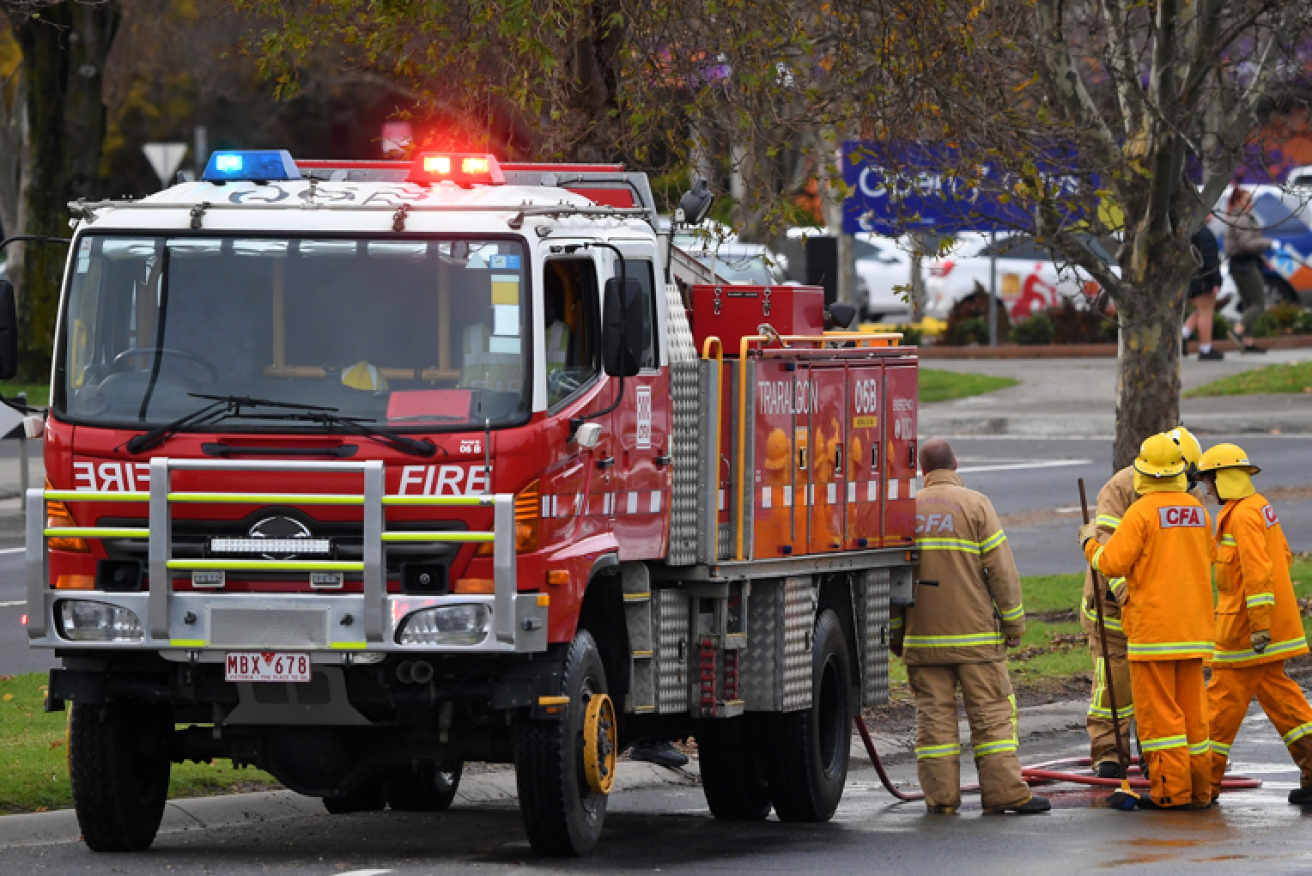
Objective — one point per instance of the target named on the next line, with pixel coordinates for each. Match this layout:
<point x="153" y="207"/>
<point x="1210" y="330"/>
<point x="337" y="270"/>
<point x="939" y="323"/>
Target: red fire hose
<point x="1040" y="774"/>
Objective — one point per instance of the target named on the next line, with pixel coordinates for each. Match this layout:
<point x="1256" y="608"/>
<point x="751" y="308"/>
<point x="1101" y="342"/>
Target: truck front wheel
<point x="808" y="766"/>
<point x="562" y="813"/>
<point x="732" y="776"/>
<point x="118" y="758"/>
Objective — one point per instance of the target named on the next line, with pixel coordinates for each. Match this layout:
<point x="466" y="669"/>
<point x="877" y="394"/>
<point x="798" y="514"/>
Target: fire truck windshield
<point x="406" y="334"/>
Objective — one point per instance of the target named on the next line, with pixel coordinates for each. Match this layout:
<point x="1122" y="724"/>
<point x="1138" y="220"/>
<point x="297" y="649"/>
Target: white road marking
<point x="1051" y="463"/>
<point x="364" y="872"/>
<point x="13" y="550"/>
<point x="12" y="604"/>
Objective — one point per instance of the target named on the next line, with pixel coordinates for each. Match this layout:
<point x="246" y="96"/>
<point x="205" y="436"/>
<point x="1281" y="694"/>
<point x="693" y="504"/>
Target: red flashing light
<point x="23" y="620"/>
<point x="465" y="170"/>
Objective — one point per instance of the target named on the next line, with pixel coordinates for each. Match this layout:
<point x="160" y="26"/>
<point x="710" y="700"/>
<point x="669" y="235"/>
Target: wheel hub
<point x="600" y="743"/>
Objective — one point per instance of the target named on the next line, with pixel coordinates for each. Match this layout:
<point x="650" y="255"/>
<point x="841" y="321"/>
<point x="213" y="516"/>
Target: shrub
<point x="1303" y="324"/>
<point x="968" y="323"/>
<point x="1279" y="320"/>
<point x="1035" y="331"/>
<point x="1078" y="325"/>
<point x="912" y="336"/>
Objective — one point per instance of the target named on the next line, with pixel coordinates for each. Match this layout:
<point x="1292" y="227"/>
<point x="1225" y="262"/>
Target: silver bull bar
<point x="315" y="621"/>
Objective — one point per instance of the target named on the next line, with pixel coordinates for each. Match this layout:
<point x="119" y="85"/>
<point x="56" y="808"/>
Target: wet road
<point x="1032" y="485"/>
<point x="670" y="830"/>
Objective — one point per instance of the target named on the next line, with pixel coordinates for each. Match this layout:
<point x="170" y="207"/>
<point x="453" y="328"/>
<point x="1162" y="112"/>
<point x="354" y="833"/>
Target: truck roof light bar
<point x="254" y="165"/>
<point x="462" y="169"/>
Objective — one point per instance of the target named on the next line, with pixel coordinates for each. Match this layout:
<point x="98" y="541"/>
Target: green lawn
<point x="34" y="764"/>
<point x="37" y="393"/>
<point x="1270" y="380"/>
<point x="936" y="385"/>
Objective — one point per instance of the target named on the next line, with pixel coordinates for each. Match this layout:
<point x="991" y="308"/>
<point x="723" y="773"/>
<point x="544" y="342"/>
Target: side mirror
<point x="696" y="202"/>
<point x="621" y="324"/>
<point x="840" y="315"/>
<point x="8" y="331"/>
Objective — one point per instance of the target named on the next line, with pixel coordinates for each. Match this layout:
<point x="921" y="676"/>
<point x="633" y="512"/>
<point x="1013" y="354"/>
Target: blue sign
<point x="918" y="195"/>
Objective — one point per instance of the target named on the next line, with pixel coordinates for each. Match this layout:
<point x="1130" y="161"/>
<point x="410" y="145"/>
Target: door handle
<point x="662" y="460"/>
<point x="605" y="462"/>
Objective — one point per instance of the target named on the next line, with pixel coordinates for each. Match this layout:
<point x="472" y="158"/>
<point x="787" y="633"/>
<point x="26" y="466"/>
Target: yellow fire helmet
<point x="364" y="376"/>
<point x="776" y="450"/>
<point x="1189" y="446"/>
<point x="1226" y="456"/>
<point x="1160" y="457"/>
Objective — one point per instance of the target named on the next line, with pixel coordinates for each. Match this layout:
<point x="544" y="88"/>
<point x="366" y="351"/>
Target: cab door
<point x="642" y="420"/>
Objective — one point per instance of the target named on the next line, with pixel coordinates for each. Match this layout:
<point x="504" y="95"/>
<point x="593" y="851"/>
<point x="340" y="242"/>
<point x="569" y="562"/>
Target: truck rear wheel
<point x="808" y="764"/>
<point x="368" y="796"/>
<point x="733" y="779"/>
<point x="430" y="788"/>
<point x="118" y="758"/>
<point x="562" y="814"/>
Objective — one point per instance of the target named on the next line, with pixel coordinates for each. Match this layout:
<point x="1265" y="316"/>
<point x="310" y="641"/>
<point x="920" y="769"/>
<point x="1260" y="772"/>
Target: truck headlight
<point x="446" y="625"/>
<point x="85" y="621"/>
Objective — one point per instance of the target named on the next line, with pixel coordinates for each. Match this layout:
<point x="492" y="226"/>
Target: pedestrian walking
<point x="1202" y="293"/>
<point x="968" y="611"/>
<point x="1244" y="245"/>
<point x="1114" y="499"/>
<point x="1258" y="626"/>
<point x="1163" y="548"/>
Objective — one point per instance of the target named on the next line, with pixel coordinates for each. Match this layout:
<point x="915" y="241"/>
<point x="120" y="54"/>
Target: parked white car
<point x="1028" y="279"/>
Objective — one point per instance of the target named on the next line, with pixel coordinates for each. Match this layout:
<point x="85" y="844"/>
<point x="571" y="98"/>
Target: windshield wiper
<point x="222" y="406"/>
<point x="231" y="407"/>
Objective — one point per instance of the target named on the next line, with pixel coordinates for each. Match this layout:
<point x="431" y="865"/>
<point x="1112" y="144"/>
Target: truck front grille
<point x="268" y="628"/>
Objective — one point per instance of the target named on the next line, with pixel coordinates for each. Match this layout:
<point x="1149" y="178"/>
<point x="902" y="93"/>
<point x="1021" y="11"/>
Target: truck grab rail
<point x="161" y="563"/>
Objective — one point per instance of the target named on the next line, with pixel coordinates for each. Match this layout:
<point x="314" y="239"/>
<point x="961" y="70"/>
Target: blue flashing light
<point x="262" y="165"/>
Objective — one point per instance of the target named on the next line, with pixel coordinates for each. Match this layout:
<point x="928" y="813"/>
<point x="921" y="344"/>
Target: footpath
<point x="1076" y="398"/>
<point x="495" y="785"/>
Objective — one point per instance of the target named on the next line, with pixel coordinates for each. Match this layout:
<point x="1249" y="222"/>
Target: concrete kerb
<point x="493" y="788"/>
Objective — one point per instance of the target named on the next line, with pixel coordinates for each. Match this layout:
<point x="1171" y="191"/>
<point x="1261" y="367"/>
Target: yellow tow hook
<point x="600" y="743"/>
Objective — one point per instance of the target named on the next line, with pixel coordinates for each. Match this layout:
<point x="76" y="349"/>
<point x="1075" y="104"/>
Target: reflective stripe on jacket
<point x="1254" y="591"/>
<point x="977" y="601"/>
<point x="1164" y="548"/>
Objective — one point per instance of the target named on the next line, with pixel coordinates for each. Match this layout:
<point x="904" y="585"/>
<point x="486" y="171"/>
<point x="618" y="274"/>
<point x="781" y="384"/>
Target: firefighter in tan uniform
<point x="1114" y="499"/>
<point x="955" y="636"/>
<point x="1258" y="626"/>
<point x="1164" y="549"/>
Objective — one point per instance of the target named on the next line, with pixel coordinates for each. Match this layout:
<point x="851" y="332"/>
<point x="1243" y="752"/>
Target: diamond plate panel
<point x="671" y="650"/>
<point x="873" y="609"/>
<point x="758" y="663"/>
<point x="685" y="440"/>
<point x="798" y="626"/>
<point x="678" y="334"/>
<point x="268" y="628"/>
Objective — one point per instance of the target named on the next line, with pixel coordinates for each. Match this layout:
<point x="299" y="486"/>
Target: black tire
<point x="430" y="788"/>
<point x="733" y="776"/>
<point x="562" y="815"/>
<point x="118" y="758"/>
<point x="807" y="767"/>
<point x="368" y="796"/>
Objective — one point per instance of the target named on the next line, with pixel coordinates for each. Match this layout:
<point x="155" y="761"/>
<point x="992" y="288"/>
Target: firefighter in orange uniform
<point x="1258" y="626"/>
<point x="1114" y="499"/>
<point x="1164" y="549"/>
<point x="955" y="636"/>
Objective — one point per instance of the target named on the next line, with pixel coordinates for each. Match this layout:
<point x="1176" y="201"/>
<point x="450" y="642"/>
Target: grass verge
<point x="34" y="756"/>
<point x="936" y="385"/>
<point x="1271" y="380"/>
<point x="38" y="394"/>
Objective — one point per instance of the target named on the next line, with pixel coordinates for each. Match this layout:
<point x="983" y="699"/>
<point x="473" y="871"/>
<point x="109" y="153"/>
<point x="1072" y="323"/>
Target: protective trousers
<point x="991" y="711"/>
<point x="1102" y="741"/>
<point x="1232" y="690"/>
<point x="1171" y="710"/>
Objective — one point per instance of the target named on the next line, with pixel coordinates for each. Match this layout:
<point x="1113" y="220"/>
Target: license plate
<point x="267" y="666"/>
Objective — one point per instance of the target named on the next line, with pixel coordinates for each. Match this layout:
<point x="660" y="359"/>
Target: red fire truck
<point x="360" y="471"/>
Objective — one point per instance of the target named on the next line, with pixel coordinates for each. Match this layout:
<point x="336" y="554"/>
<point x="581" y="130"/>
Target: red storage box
<point x="733" y="312"/>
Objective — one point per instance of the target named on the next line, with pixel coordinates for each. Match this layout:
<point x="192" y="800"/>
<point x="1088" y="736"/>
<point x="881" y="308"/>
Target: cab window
<point x="643" y="273"/>
<point x="571" y="327"/>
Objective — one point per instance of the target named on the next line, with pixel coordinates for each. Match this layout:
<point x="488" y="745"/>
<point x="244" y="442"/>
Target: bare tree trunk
<point x="64" y="54"/>
<point x="13" y="168"/>
<point x="1148" y="369"/>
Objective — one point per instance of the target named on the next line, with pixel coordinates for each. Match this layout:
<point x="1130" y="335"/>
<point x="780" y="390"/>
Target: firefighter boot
<point x="659" y="752"/>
